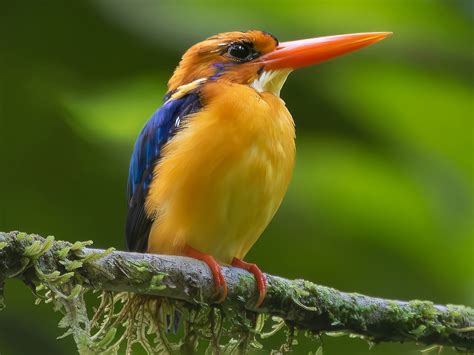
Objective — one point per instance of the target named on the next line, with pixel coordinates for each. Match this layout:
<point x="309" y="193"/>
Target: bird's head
<point x="258" y="59"/>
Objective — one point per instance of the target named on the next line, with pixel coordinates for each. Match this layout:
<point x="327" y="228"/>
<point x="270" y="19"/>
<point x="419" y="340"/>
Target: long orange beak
<point x="301" y="53"/>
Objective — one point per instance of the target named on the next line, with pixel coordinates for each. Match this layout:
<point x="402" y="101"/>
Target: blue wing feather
<point x="160" y="128"/>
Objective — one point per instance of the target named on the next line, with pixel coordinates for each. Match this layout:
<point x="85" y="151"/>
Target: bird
<point x="212" y="165"/>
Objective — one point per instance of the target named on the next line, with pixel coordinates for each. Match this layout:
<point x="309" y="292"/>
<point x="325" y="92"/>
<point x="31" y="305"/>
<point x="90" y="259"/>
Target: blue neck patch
<point x="220" y="68"/>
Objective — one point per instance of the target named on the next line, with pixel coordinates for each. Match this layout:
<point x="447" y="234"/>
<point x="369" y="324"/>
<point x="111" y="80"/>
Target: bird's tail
<point x="173" y="322"/>
<point x="164" y="314"/>
<point x="154" y="313"/>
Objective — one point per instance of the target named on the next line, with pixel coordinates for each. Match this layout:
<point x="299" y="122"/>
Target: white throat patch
<point x="271" y="81"/>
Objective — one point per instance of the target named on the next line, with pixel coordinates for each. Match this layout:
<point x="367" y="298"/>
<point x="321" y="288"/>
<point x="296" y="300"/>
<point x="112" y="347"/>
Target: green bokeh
<point x="382" y="197"/>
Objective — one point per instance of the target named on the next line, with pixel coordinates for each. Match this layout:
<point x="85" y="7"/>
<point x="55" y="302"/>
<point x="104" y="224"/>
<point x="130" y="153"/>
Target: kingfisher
<point x="210" y="168"/>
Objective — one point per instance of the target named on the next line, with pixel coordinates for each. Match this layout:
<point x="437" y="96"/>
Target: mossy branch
<point x="301" y="304"/>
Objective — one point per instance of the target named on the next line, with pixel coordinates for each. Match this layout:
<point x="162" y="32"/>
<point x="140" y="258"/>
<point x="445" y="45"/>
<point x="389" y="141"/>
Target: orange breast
<point x="224" y="175"/>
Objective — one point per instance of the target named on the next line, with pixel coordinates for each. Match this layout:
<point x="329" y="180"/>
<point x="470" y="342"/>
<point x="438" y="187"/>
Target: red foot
<point x="259" y="278"/>
<point x="219" y="281"/>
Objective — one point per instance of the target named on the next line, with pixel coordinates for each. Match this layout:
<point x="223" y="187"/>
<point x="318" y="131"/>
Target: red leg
<point x="259" y="278"/>
<point x="219" y="280"/>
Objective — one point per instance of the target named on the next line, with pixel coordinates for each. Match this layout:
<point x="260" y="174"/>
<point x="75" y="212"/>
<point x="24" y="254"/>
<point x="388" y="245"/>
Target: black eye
<point x="241" y="51"/>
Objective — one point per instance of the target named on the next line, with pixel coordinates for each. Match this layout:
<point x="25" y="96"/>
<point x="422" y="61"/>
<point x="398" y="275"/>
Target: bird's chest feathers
<point x="256" y="133"/>
<point x="260" y="165"/>
<point x="228" y="168"/>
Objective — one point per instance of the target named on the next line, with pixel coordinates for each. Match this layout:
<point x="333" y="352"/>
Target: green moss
<point x="244" y="282"/>
<point x="96" y="256"/>
<point x="38" y="248"/>
<point x="136" y="271"/>
<point x="107" y="339"/>
<point x="74" y="293"/>
<point x="33" y="249"/>
<point x="156" y="282"/>
<point x="79" y="245"/>
<point x="418" y="330"/>
<point x="21" y="236"/>
<point x="70" y="265"/>
<point x="63" y="252"/>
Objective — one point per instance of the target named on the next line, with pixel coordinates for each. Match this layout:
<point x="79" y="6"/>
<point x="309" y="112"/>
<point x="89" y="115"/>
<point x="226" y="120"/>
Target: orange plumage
<point x="217" y="192"/>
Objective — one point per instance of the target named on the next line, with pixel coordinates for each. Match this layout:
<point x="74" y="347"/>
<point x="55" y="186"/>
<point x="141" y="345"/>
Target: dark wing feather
<point x="157" y="131"/>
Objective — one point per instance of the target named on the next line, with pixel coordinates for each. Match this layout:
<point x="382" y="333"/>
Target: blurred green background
<point x="381" y="201"/>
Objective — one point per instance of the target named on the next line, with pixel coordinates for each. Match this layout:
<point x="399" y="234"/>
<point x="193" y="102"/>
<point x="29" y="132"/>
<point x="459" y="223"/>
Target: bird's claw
<point x="219" y="280"/>
<point x="260" y="278"/>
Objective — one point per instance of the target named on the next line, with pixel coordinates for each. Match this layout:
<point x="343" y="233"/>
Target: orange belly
<point x="224" y="175"/>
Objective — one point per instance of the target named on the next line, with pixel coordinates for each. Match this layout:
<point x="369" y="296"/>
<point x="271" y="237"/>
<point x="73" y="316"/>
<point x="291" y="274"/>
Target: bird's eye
<point x="241" y="51"/>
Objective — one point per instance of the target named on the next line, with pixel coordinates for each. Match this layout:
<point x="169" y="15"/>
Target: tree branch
<point x="300" y="303"/>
